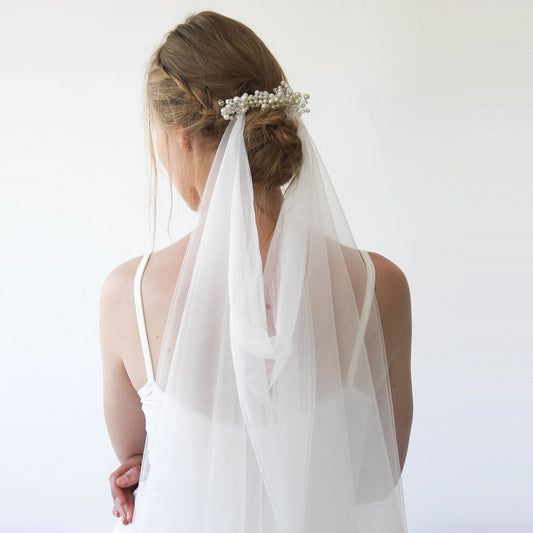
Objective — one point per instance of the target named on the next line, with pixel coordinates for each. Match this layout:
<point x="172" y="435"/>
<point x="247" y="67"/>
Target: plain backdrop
<point x="422" y="111"/>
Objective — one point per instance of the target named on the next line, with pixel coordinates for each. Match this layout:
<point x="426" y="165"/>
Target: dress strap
<point x="365" y="314"/>
<point x="140" y="318"/>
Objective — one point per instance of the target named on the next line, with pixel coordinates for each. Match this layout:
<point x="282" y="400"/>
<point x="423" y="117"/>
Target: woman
<point x="247" y="366"/>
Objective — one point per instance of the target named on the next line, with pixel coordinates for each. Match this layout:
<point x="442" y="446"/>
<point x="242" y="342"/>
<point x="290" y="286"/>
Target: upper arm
<point x="394" y="303"/>
<point x="122" y="408"/>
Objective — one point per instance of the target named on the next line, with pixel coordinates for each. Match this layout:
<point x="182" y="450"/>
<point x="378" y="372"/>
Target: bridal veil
<point x="277" y="414"/>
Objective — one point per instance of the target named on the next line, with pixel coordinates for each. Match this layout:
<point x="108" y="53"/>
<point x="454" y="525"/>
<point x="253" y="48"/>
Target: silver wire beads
<point x="282" y="97"/>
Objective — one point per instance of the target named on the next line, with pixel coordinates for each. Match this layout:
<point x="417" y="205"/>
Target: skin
<point x="123" y="366"/>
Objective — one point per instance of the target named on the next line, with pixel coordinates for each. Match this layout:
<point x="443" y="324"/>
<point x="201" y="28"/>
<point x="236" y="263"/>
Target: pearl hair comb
<point x="282" y="97"/>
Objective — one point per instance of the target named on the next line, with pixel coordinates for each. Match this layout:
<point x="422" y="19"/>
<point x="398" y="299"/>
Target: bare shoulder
<point x="394" y="303"/>
<point x="119" y="282"/>
<point x="118" y="319"/>
<point x="116" y="291"/>
<point x="117" y="310"/>
<point x="116" y="295"/>
<point x="391" y="281"/>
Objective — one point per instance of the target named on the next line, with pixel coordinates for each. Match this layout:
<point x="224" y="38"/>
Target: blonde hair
<point x="211" y="57"/>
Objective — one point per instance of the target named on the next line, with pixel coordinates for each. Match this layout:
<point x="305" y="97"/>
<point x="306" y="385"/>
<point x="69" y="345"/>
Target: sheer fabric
<point x="276" y="415"/>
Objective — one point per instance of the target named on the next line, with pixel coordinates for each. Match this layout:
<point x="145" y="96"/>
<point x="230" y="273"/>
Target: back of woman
<point x="253" y="351"/>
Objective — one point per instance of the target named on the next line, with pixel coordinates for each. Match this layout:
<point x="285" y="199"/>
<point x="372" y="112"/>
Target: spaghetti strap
<point x="140" y="318"/>
<point x="365" y="314"/>
<point x="371" y="273"/>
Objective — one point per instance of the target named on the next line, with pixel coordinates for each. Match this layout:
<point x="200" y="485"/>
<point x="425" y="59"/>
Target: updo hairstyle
<point x="211" y="57"/>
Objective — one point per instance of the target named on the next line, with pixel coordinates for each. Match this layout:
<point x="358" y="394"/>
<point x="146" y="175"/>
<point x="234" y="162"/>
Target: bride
<point x="256" y="372"/>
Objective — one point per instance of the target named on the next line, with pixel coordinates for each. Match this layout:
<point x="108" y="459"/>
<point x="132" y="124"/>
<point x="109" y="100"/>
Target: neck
<point x="267" y="210"/>
<point x="267" y="205"/>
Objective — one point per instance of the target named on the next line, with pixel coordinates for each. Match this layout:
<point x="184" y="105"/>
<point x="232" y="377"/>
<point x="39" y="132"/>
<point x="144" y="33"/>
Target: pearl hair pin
<point x="282" y="97"/>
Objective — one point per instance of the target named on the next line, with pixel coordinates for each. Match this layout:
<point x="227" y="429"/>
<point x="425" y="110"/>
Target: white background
<point x="423" y="113"/>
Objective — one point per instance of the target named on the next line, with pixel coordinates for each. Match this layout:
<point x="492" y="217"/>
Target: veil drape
<point x="276" y="415"/>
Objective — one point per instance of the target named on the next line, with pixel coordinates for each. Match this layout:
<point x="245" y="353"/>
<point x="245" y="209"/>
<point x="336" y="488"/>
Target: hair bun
<point x="274" y="147"/>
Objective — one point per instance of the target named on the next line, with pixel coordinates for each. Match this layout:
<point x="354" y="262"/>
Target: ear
<point x="183" y="140"/>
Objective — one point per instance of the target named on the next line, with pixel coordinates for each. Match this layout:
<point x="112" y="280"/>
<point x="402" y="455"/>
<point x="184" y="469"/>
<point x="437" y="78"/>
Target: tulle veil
<point x="277" y="414"/>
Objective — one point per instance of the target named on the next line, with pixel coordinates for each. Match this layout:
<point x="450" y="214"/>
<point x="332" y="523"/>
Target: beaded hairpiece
<point x="282" y="97"/>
